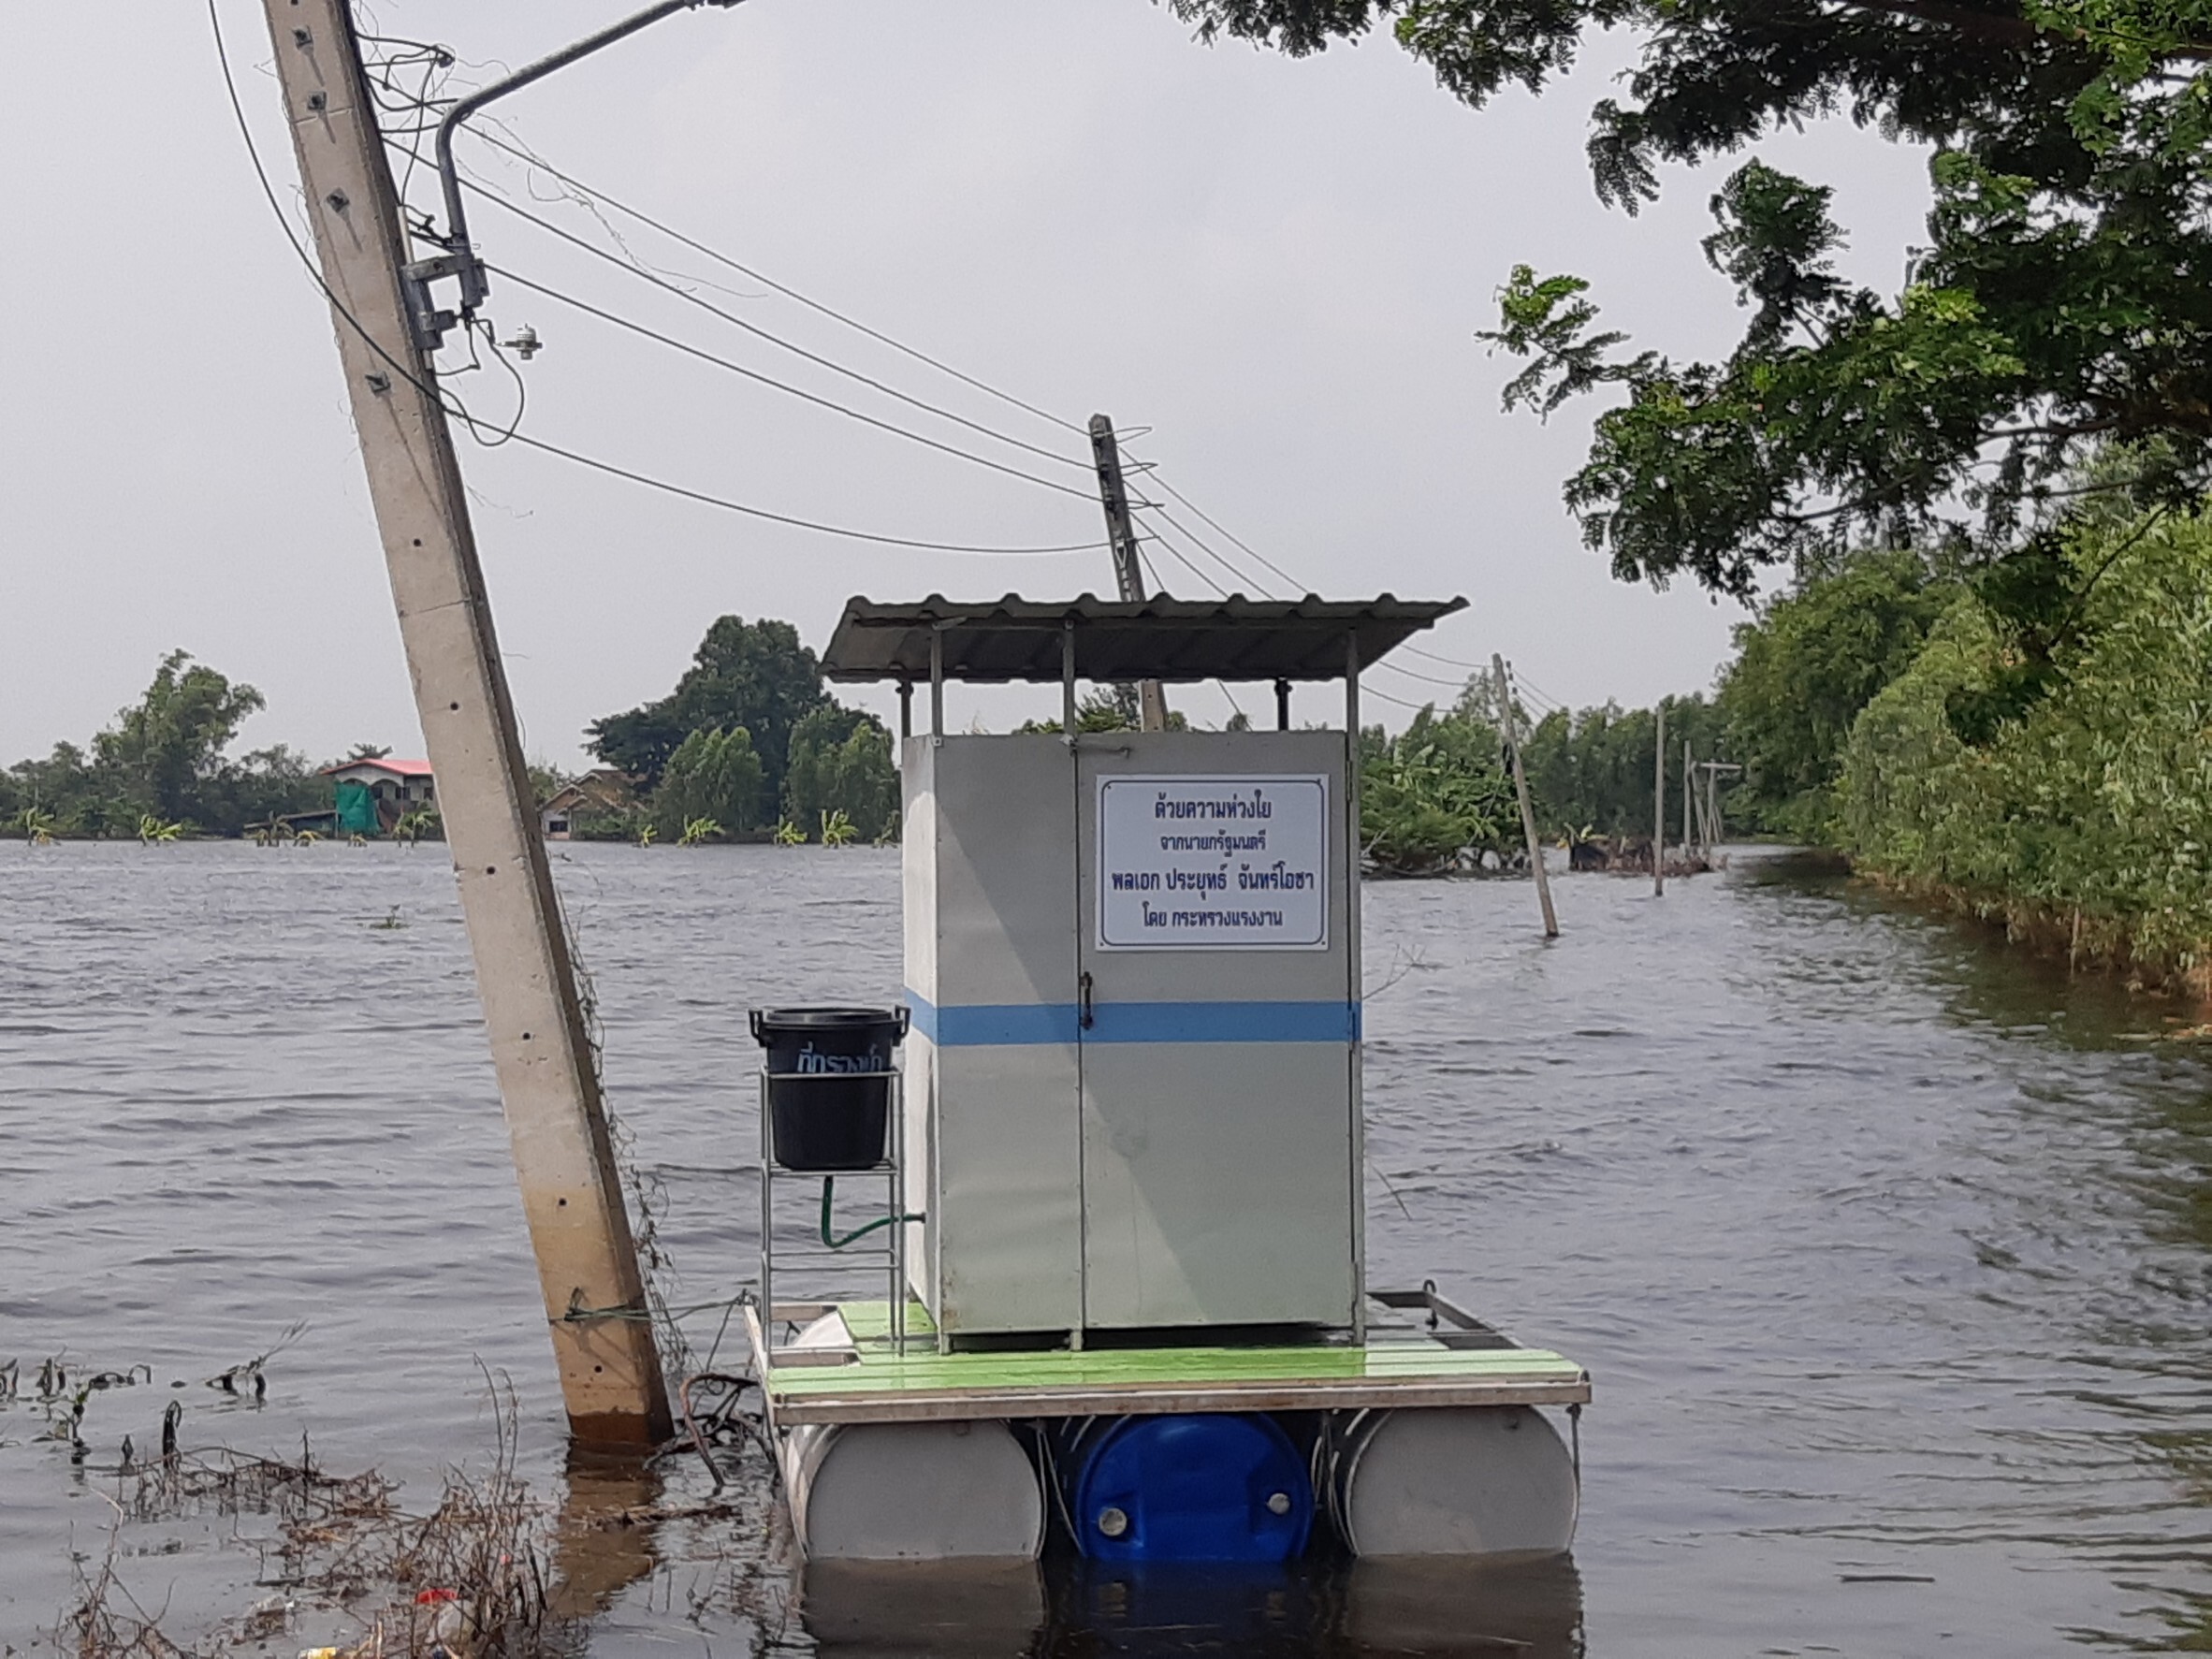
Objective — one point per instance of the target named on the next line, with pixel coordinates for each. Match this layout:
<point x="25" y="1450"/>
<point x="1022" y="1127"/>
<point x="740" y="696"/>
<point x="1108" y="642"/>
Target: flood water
<point x="1890" y="1251"/>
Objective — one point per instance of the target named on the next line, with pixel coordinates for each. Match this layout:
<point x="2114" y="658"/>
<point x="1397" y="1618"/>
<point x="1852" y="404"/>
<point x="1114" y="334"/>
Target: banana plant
<point x="837" y="828"/>
<point x="647" y="835"/>
<point x="306" y="837"/>
<point x="413" y="826"/>
<point x="789" y="834"/>
<point x="36" y="826"/>
<point x="697" y="831"/>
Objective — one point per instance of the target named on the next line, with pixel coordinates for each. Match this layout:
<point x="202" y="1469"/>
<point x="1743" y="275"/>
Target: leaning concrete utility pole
<point x="1528" y="814"/>
<point x="1659" y="803"/>
<point x="572" y="1193"/>
<point x="1121" y="535"/>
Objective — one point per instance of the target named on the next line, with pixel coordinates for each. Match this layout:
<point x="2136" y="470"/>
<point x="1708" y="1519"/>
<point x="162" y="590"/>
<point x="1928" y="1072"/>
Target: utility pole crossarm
<point x="564" y="1162"/>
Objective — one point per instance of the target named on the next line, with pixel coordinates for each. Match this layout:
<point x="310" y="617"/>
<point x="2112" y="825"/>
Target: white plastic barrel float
<point x="913" y="1492"/>
<point x="1493" y="1481"/>
<point x="908" y="1491"/>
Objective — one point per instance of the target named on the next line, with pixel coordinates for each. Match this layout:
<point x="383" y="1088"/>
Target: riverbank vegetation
<point x="1998" y="703"/>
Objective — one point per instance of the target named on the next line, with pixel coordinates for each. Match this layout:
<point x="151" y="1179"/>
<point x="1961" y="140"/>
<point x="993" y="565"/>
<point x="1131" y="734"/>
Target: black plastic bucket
<point x="829" y="1083"/>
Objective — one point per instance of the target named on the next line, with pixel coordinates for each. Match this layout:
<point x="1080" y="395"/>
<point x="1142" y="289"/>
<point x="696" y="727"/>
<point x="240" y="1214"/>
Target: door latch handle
<point x="1082" y="1008"/>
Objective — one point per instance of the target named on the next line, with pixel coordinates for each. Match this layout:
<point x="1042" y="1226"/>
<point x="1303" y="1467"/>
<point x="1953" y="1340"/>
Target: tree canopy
<point x="2063" y="301"/>
<point x="754" y="676"/>
<point x="165" y="757"/>
<point x="840" y="762"/>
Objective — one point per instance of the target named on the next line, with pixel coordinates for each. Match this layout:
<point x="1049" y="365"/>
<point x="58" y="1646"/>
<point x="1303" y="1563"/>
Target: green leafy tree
<point x="1104" y="708"/>
<point x="2064" y="299"/>
<point x="166" y="748"/>
<point x="840" y="762"/>
<point x="1591" y="770"/>
<point x="754" y="676"/>
<point x="713" y="776"/>
<point x="1805" y="668"/>
<point x="1436" y="792"/>
<point x="2085" y="817"/>
<point x="545" y="779"/>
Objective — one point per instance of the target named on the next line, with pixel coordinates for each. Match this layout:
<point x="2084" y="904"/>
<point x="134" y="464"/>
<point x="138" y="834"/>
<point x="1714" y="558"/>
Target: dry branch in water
<point x="467" y="1581"/>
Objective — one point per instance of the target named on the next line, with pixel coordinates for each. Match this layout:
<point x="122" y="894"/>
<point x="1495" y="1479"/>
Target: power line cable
<point x="1141" y="509"/>
<point x="1153" y="570"/>
<point x="454" y="406"/>
<point x="524" y="156"/>
<point x="682" y="293"/>
<point x="1151" y="468"/>
<point x="706" y="498"/>
<point x="768" y="380"/>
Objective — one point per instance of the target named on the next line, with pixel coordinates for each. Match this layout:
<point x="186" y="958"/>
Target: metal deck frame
<point x="1454" y="1359"/>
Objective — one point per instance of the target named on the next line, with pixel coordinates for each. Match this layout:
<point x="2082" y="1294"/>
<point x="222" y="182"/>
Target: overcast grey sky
<point x="1276" y="266"/>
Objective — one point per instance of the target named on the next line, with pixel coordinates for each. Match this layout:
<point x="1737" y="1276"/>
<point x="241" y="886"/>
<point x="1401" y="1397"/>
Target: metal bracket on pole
<point x="428" y="322"/>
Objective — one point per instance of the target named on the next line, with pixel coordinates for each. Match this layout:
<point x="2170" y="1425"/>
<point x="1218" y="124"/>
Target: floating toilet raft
<point x="1118" y="1123"/>
<point x="1420" y="1441"/>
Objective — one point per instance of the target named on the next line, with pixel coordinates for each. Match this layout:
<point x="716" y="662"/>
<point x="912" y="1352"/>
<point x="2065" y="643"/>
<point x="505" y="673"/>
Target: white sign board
<point x="1190" y="862"/>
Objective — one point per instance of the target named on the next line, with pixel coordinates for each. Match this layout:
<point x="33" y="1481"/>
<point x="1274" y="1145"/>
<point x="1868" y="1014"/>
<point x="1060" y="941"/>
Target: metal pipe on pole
<point x="594" y="1293"/>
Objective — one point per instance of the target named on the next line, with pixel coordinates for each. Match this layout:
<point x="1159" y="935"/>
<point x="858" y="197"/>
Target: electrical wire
<point x="703" y="499"/>
<point x="754" y="328"/>
<point x="768" y="380"/>
<point x="432" y="389"/>
<point x="1152" y="574"/>
<point x="524" y="156"/>
<point x="1201" y="513"/>
<point x="1242" y="579"/>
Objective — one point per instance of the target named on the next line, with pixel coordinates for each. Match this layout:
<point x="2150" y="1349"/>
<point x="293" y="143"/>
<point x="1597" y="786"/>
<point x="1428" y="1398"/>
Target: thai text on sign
<point x="1210" y="863"/>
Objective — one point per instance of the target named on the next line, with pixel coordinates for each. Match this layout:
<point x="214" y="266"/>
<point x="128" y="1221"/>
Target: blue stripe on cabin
<point x="1005" y="1025"/>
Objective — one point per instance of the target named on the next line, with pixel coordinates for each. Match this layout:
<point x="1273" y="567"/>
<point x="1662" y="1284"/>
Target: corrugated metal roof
<point x="1016" y="639"/>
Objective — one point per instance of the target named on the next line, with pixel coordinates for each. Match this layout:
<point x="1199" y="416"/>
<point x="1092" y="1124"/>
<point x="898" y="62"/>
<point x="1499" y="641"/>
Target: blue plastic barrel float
<point x="1184" y="1486"/>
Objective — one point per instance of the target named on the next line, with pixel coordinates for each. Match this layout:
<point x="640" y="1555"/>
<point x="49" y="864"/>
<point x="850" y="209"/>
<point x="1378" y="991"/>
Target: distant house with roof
<point x="373" y="793"/>
<point x="603" y="791"/>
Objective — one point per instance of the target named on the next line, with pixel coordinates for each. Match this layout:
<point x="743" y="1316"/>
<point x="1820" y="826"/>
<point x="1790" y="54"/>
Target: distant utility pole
<point x="1528" y="816"/>
<point x="1659" y="804"/>
<point x="572" y="1193"/>
<point x="1121" y="535"/>
<point x="1688" y="795"/>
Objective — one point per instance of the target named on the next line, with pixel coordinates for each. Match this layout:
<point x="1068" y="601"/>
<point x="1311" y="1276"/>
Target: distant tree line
<point x="164" y="760"/>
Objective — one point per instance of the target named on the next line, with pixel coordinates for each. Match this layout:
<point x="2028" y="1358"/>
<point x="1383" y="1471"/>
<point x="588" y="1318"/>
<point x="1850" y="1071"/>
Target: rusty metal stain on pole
<point x="572" y="1196"/>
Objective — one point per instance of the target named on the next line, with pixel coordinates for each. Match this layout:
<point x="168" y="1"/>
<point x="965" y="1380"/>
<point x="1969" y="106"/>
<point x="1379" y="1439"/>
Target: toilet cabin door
<point x="1217" y="1030"/>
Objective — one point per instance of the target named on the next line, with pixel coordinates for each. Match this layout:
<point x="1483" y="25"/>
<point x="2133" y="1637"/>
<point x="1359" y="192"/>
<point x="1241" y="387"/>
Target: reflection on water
<point x="1072" y="1610"/>
<point x="599" y="1550"/>
<point x="1891" y="1250"/>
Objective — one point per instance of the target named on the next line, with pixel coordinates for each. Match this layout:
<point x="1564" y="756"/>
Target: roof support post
<point x="937" y="684"/>
<point x="1282" y="705"/>
<point x="1357" y="846"/>
<point x="1068" y="679"/>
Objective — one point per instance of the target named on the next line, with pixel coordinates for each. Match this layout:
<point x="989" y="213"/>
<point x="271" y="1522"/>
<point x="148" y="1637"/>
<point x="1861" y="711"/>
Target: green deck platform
<point x="865" y="1381"/>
